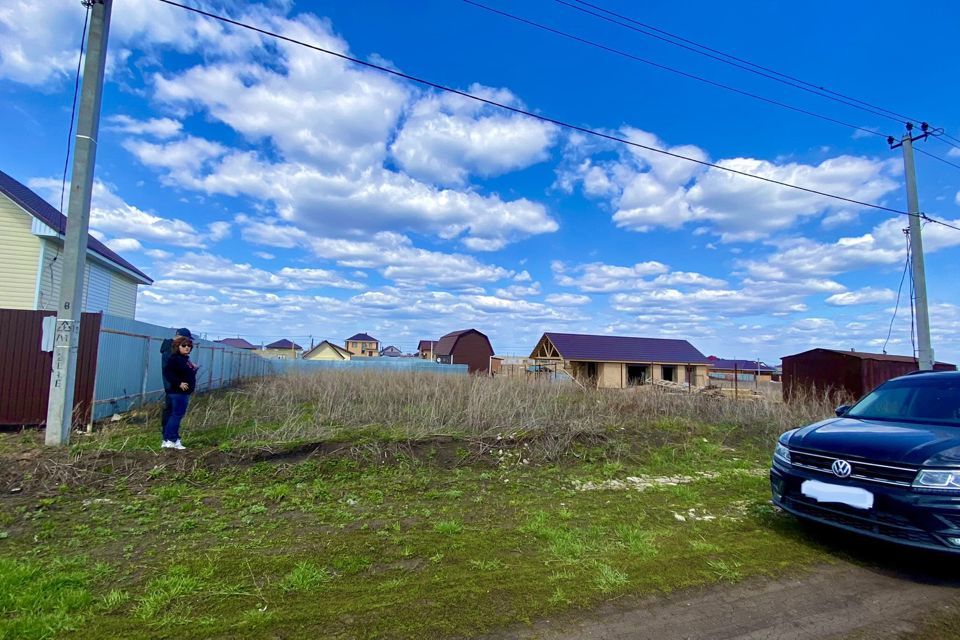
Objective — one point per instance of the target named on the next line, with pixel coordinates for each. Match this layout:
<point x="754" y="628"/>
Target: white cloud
<point x="599" y="277"/>
<point x="862" y="296"/>
<point x="39" y="46"/>
<point x="647" y="190"/>
<point x="218" y="231"/>
<point x="208" y="269"/>
<point x="156" y="127"/>
<point x="567" y="299"/>
<point x="446" y="138"/>
<point x="121" y="245"/>
<point x="392" y="254"/>
<point x="110" y="215"/>
<point x="340" y="203"/>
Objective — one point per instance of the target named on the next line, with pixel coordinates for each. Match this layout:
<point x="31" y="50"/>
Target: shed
<point x="467" y="346"/>
<point x="844" y="374"/>
<point x="618" y="362"/>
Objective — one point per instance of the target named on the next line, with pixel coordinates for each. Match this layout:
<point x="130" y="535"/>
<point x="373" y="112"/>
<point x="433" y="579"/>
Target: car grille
<point x="889" y="527"/>
<point x="861" y="470"/>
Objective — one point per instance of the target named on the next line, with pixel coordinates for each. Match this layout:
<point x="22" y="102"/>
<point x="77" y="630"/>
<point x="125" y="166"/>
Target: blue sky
<point x="273" y="191"/>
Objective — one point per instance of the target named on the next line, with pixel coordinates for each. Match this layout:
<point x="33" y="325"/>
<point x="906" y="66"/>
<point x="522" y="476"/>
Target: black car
<point x="887" y="467"/>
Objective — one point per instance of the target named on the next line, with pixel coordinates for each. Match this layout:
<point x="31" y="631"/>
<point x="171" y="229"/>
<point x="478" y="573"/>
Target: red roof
<point x="447" y="343"/>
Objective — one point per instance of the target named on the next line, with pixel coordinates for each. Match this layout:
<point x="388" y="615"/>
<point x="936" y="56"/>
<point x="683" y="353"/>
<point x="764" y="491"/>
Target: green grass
<point x="356" y="547"/>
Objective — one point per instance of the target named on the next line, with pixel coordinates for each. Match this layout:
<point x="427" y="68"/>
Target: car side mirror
<point x="842" y="410"/>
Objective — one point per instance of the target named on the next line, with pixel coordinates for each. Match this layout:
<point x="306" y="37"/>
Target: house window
<point x="668" y="373"/>
<point x="637" y="374"/>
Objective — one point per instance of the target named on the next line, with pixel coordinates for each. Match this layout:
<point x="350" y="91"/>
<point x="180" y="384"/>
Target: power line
<point x="906" y="266"/>
<point x="938" y="134"/>
<point x="936" y="157"/>
<point x="669" y="68"/>
<point x="530" y="114"/>
<point x="541" y="118"/>
<point x="756" y="68"/>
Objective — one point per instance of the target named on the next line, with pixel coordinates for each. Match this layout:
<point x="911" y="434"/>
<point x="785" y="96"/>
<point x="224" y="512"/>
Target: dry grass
<point x="320" y="406"/>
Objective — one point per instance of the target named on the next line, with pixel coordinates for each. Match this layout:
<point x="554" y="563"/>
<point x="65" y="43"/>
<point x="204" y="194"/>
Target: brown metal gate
<point x="25" y="369"/>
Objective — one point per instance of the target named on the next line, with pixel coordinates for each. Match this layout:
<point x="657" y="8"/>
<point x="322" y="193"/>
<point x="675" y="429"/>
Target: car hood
<point x="883" y="441"/>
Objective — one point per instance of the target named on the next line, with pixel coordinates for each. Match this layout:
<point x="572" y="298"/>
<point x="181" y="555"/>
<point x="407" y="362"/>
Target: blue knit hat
<point x="183" y="331"/>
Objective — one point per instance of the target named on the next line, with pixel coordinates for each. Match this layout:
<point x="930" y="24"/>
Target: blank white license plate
<point x="825" y="492"/>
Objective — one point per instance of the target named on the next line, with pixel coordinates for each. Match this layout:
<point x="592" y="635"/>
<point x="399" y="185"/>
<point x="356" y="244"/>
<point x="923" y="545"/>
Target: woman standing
<point x="181" y="376"/>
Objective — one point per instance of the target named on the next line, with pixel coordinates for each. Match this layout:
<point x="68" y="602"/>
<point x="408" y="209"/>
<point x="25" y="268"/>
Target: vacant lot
<point x="365" y="506"/>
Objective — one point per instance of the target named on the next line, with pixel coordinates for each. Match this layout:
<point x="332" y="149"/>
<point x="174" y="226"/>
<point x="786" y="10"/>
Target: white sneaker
<point x="178" y="445"/>
<point x="168" y="444"/>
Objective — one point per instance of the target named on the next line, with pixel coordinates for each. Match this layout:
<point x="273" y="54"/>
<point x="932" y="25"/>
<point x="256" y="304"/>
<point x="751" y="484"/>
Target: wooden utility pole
<point x="70" y="305"/>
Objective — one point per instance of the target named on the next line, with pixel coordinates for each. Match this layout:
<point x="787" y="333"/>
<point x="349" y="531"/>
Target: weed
<point x="448" y="527"/>
<point x="305" y="577"/>
<point x="609" y="579"/>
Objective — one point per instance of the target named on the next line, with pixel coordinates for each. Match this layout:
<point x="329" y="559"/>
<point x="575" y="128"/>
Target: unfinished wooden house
<point x="618" y="362"/>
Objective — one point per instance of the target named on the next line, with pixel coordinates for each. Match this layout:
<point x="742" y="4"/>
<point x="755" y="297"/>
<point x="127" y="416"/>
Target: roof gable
<point x="575" y="346"/>
<point x="44" y="212"/>
<point x="343" y="353"/>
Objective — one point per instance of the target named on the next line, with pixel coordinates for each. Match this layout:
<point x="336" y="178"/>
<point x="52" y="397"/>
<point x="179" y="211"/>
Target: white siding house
<point x="31" y="259"/>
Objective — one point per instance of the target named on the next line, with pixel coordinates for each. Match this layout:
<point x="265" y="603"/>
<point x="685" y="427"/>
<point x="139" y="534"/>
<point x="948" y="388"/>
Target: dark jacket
<point x="179" y="369"/>
<point x="166" y="350"/>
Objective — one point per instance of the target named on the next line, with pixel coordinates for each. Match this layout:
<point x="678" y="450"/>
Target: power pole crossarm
<point x="70" y="306"/>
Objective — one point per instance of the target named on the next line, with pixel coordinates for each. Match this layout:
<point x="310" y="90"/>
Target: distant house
<point x="31" y="259"/>
<point x="281" y="349"/>
<point x="391" y="352"/>
<point x="326" y="350"/>
<point x="844" y="374"/>
<point x="426" y="349"/>
<point x="237" y="343"/>
<point x="363" y="345"/>
<point x="467" y="346"/>
<point x="729" y="371"/>
<point x="617" y="362"/>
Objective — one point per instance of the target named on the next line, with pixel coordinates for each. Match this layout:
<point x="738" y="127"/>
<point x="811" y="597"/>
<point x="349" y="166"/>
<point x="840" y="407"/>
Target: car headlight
<point x="934" y="479"/>
<point x="783" y="454"/>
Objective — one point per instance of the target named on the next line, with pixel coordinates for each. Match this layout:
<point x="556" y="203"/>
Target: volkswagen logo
<point x="841" y="468"/>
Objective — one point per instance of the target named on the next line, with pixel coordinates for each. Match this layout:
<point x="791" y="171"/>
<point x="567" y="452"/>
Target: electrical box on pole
<point x="924" y="348"/>
<point x="70" y="304"/>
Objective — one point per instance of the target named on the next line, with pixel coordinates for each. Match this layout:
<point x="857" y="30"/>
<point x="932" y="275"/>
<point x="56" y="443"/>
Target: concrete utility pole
<point x="66" y="338"/>
<point x="924" y="349"/>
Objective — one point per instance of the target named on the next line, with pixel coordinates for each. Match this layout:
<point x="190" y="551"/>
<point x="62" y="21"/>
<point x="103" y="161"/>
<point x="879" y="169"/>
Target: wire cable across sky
<point x="542" y="118"/>
<point x="732" y="60"/>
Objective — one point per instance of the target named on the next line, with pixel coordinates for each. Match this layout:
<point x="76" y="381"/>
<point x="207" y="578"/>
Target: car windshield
<point x="919" y="399"/>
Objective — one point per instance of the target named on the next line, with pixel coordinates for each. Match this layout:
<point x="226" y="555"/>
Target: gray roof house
<point x="618" y="362"/>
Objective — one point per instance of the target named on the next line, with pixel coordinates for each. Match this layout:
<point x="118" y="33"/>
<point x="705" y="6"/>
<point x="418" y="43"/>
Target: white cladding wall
<point x="103" y="289"/>
<point x="19" y="257"/>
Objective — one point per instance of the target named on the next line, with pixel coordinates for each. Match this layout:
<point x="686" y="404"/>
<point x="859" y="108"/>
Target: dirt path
<point x="831" y="601"/>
